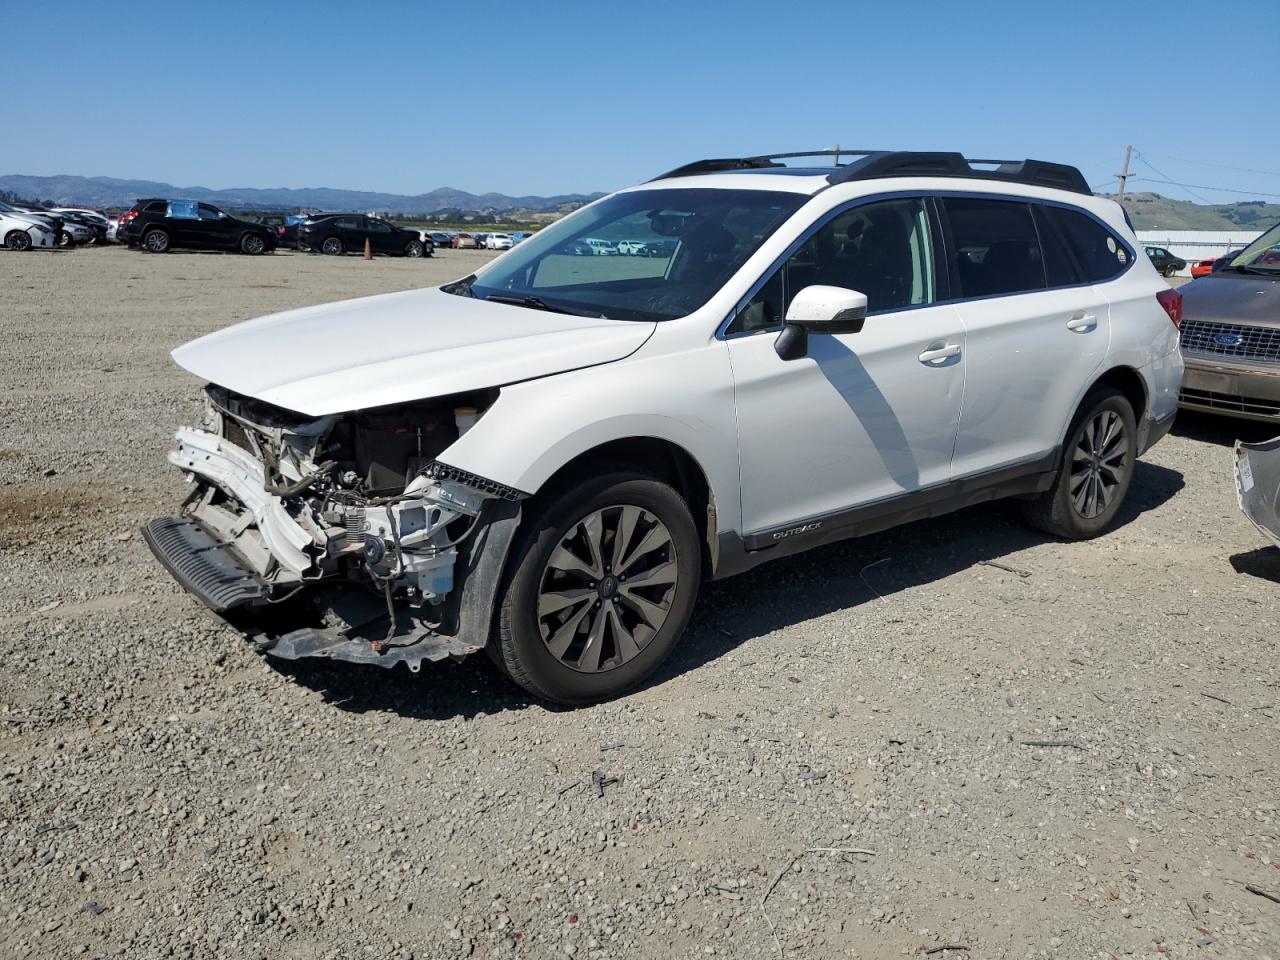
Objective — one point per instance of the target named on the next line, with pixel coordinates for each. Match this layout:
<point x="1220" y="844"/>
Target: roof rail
<point x="875" y="164"/>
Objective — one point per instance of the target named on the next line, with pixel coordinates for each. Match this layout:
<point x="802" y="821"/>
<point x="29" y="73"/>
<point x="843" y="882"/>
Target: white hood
<point x="398" y="347"/>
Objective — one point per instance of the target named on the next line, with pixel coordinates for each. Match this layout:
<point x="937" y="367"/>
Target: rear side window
<point x="1098" y="252"/>
<point x="1059" y="265"/>
<point x="156" y="206"/>
<point x="348" y="223"/>
<point x="182" y="210"/>
<point x="995" y="246"/>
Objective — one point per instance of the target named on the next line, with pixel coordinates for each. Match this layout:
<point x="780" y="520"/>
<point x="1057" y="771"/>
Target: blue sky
<point x="555" y="97"/>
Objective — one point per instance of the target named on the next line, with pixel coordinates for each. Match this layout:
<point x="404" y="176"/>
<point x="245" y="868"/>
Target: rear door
<point x="352" y="231"/>
<point x="183" y="223"/>
<point x="1037" y="330"/>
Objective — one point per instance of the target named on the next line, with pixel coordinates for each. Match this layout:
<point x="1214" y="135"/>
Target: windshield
<point x="5" y="208"/>
<point x="644" y="255"/>
<point x="1262" y="254"/>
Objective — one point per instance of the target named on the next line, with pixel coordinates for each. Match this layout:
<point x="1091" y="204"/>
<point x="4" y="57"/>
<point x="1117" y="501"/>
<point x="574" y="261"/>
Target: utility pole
<point x="1123" y="175"/>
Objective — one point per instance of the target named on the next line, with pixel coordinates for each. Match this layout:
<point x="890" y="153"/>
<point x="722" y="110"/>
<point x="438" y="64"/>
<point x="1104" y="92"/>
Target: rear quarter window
<point x="995" y="246"/>
<point x="1097" y="251"/>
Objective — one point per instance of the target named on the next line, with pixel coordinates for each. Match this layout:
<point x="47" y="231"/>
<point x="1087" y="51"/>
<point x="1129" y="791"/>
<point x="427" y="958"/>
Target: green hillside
<point x="1150" y="211"/>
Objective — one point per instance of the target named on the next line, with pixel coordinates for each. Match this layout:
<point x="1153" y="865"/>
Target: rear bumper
<point x="1154" y="431"/>
<point x="1247" y="390"/>
<point x="203" y="565"/>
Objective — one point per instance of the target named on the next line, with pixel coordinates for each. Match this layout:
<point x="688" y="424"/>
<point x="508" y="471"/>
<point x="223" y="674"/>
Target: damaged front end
<point x="341" y="536"/>
<point x="1258" y="484"/>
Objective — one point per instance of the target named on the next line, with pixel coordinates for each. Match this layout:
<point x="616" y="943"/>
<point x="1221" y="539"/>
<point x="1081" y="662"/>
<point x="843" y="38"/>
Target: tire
<point x="332" y="246"/>
<point x="155" y="241"/>
<point x="558" y="655"/>
<point x="18" y="240"/>
<point x="64" y="240"/>
<point x="414" y="249"/>
<point x="253" y="244"/>
<point x="1170" y="270"/>
<point x="1092" y="481"/>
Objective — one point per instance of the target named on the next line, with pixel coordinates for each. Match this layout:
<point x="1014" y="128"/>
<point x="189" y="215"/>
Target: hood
<point x="1232" y="298"/>
<point x="399" y="347"/>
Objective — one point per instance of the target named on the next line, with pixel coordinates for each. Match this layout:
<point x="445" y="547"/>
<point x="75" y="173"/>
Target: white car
<point x="546" y="460"/>
<point x="632" y="248"/>
<point x="22" y="231"/>
<point x="498" y="241"/>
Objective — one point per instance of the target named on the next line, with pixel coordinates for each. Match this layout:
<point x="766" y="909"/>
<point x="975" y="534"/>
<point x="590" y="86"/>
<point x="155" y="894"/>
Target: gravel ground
<point x="167" y="793"/>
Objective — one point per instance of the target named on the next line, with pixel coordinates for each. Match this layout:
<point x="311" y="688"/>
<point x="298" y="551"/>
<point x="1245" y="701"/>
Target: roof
<point x="881" y="164"/>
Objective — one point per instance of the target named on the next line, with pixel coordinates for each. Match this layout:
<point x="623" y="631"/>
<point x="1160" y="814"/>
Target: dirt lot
<point x="166" y="792"/>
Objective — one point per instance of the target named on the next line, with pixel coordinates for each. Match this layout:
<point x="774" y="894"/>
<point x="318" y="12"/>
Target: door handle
<point x="1082" y="323"/>
<point x="938" y="353"/>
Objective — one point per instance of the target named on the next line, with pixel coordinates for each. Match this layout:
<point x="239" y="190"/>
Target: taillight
<point x="1171" y="300"/>
<point x="280" y="230"/>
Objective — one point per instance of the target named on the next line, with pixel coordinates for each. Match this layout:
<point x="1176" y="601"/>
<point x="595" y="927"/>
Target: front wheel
<point x="332" y="247"/>
<point x="18" y="240"/>
<point x="413" y="248"/>
<point x="602" y="585"/>
<point x="1170" y="270"/>
<point x="253" y="244"/>
<point x="64" y="239"/>
<point x="1097" y="467"/>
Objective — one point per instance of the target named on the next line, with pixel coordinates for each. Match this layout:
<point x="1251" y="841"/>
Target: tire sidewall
<point x="247" y="239"/>
<point x="519" y="622"/>
<point x="14" y="240"/>
<point x="336" y="246"/>
<point x="414" y="249"/>
<point x="1105" y="398"/>
<point x="146" y="246"/>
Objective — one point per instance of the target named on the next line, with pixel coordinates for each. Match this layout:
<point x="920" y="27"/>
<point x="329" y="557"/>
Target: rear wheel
<point x="601" y="589"/>
<point x="18" y="240"/>
<point x="64" y="239"/>
<point x="1170" y="270"/>
<point x="156" y="241"/>
<point x="253" y="244"/>
<point x="1097" y="468"/>
<point x="331" y="246"/>
<point x="413" y="248"/>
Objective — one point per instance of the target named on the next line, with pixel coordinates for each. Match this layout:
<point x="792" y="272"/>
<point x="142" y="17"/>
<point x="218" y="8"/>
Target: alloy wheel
<point x="253" y="244"/>
<point x="607" y="588"/>
<point x="1098" y="464"/>
<point x="157" y="241"/>
<point x="18" y="240"/>
<point x="332" y="246"/>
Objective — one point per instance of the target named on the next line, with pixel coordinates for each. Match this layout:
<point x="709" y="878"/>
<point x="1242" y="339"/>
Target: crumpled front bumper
<point x="205" y="455"/>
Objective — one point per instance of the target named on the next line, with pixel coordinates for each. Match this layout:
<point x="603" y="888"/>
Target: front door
<point x="862" y="417"/>
<point x="383" y="237"/>
<point x="216" y="228"/>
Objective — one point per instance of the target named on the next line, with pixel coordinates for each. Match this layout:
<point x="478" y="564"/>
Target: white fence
<point x="1193" y="245"/>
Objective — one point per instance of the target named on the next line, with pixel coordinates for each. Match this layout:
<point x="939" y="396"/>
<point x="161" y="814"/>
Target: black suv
<point x="338" y="233"/>
<point x="1165" y="262"/>
<point x="285" y="225"/>
<point x="159" y="225"/>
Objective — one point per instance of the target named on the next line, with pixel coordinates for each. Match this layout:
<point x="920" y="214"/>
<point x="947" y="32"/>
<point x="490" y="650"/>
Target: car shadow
<point x="1221" y="431"/>
<point x="730" y="613"/>
<point x="1263" y="563"/>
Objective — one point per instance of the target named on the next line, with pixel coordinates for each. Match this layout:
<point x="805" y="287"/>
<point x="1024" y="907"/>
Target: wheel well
<point x="665" y="461"/>
<point x="1129" y="382"/>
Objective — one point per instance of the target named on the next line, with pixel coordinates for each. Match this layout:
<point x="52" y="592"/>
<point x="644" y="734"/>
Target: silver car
<point x="1231" y="335"/>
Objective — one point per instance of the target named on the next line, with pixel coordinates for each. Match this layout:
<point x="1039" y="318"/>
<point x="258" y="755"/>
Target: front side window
<point x="378" y="226"/>
<point x="995" y="246"/>
<point x="640" y="255"/>
<point x="347" y="223"/>
<point x="881" y="249"/>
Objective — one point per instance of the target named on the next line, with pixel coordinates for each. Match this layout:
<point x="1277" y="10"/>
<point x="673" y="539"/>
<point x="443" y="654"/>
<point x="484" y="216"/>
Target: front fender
<point x="535" y="428"/>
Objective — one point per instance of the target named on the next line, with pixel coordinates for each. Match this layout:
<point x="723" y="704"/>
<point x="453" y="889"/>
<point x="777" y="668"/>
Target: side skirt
<point x="741" y="553"/>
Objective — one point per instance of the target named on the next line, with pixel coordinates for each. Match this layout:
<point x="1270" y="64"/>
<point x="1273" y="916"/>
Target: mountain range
<point x="1151" y="211"/>
<point x="101" y="192"/>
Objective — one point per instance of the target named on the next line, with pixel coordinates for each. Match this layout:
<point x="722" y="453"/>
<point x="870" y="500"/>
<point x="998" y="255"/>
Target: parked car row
<point x="32" y="226"/>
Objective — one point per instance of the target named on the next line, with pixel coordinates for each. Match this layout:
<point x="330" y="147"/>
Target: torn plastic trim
<point x="1258" y="485"/>
<point x="202" y="454"/>
<point x="436" y="470"/>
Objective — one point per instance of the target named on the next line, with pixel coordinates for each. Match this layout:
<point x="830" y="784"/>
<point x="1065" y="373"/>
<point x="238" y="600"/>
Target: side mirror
<point x="819" y="309"/>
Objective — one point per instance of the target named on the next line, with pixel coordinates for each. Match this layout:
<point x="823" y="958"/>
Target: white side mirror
<point x="821" y="309"/>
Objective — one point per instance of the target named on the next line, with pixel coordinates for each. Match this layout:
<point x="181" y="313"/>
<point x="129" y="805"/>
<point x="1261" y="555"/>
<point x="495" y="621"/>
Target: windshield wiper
<point x="537" y="303"/>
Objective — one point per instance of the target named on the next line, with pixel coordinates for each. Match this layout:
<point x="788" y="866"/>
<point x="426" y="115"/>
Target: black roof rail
<point x="874" y="164"/>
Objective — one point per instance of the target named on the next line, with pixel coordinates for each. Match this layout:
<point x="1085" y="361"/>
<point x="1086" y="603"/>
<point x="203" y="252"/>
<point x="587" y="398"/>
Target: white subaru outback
<point x="544" y="459"/>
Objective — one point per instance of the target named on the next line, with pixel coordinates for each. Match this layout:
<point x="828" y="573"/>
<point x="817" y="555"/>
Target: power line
<point x="1104" y="183"/>
<point x="1145" y="162"/>
<point x="1224" y="166"/>
<point x="1201" y="186"/>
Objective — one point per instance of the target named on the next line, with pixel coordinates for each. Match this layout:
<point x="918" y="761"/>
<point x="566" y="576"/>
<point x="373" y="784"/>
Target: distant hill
<point x="1150" y="211"/>
<point x="111" y="192"/>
